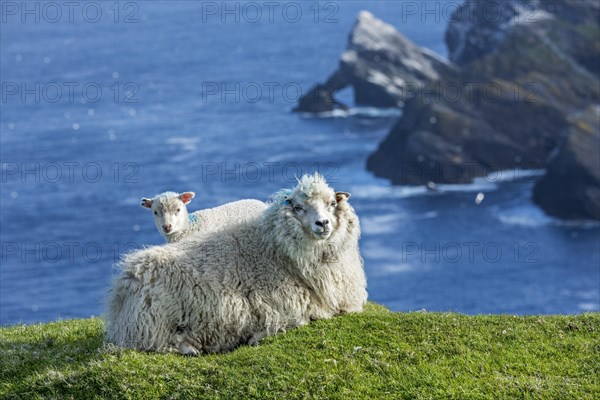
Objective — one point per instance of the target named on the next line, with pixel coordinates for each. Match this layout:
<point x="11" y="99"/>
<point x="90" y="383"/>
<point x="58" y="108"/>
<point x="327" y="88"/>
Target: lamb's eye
<point x="297" y="208"/>
<point x="333" y="204"/>
<point x="178" y="210"/>
<point x="155" y="212"/>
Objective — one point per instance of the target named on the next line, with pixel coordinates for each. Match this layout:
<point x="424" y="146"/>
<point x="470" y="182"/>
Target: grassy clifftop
<point x="373" y="355"/>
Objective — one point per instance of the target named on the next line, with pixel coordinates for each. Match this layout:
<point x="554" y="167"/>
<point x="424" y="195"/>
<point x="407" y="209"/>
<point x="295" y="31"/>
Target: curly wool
<point x="211" y="220"/>
<point x="239" y="285"/>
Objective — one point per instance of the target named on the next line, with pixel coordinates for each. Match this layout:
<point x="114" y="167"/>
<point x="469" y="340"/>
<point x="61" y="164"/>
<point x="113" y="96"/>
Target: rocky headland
<point x="521" y="89"/>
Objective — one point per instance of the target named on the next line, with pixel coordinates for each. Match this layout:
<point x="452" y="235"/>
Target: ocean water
<point x="101" y="106"/>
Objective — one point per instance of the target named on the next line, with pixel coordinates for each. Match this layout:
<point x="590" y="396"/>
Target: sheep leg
<point x="188" y="350"/>
<point x="181" y="344"/>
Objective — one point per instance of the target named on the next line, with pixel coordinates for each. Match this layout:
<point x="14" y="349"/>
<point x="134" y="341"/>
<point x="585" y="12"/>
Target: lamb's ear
<point x="146" y="203"/>
<point x="187" y="197"/>
<point x="341" y="196"/>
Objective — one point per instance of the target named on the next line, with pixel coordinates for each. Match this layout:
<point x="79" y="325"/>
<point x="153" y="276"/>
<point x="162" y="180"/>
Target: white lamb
<point x="299" y="262"/>
<point x="175" y="223"/>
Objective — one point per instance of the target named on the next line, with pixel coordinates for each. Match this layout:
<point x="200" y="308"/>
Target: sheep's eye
<point x="333" y="204"/>
<point x="178" y="209"/>
<point x="297" y="208"/>
<point x="155" y="212"/>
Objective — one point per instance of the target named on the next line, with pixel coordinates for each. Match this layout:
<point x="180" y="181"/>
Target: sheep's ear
<point x="341" y="196"/>
<point x="146" y="203"/>
<point x="187" y="197"/>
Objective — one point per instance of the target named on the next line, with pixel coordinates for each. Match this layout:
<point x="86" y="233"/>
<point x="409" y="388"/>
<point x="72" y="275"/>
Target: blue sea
<point x="103" y="103"/>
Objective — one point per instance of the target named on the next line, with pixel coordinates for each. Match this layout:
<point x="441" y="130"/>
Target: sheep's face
<point x="317" y="214"/>
<point x="170" y="211"/>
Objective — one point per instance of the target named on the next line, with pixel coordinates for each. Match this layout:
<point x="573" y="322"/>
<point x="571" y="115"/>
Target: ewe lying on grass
<point x="298" y="262"/>
<point x="175" y="223"/>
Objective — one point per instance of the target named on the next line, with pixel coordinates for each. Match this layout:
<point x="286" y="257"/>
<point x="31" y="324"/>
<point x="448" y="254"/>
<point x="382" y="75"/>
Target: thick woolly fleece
<point x="216" y="219"/>
<point x="213" y="293"/>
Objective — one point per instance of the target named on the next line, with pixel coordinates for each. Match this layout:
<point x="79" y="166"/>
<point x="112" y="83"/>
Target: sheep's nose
<point x="323" y="223"/>
<point x="167" y="228"/>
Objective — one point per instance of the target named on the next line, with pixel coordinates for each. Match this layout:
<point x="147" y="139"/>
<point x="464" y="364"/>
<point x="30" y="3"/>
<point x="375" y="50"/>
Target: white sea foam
<point x="379" y="224"/>
<point x="490" y="181"/>
<point x="480" y="184"/>
<point x="588" y="306"/>
<point x="427" y="215"/>
<point x="374" y="112"/>
<point x="476" y="186"/>
<point x="187" y="147"/>
<point x="393" y="269"/>
<point x="371" y="112"/>
<point x="524" y="219"/>
<point x="374" y="250"/>
<point x="529" y="215"/>
<point x="382" y="191"/>
<point x="186" y="143"/>
<point x="512" y="175"/>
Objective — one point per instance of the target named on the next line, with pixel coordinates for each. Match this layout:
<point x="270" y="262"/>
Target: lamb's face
<point x="169" y="211"/>
<point x="317" y="214"/>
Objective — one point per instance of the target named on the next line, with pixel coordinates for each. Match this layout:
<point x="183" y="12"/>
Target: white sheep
<point x="175" y="223"/>
<point x="299" y="262"/>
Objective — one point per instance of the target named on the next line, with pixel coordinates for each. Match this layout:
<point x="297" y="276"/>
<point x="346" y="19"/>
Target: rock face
<point x="443" y="141"/>
<point x="320" y="98"/>
<point x="523" y="80"/>
<point x="478" y="28"/>
<point x="571" y="187"/>
<point x="383" y="67"/>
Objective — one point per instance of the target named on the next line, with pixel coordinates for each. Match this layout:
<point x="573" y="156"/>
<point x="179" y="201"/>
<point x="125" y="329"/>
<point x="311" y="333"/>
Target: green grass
<point x="373" y="355"/>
